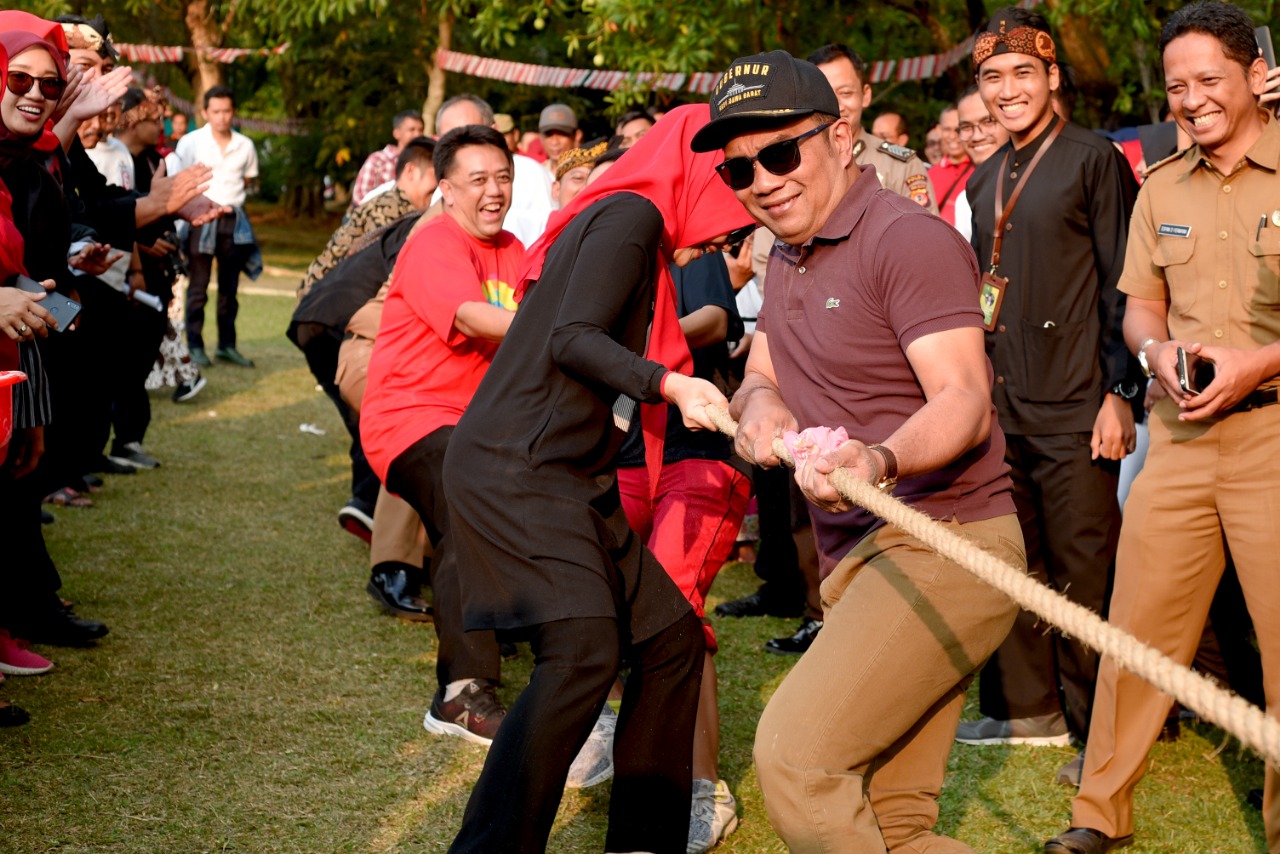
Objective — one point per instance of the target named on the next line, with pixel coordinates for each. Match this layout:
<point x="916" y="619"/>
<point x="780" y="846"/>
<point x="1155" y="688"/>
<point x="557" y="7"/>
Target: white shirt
<point x="964" y="216"/>
<point x="114" y="161"/>
<point x="231" y="166"/>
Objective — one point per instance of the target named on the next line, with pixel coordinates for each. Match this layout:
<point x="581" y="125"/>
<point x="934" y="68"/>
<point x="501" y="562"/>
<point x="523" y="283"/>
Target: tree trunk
<point x="205" y="33"/>
<point x="436" y="76"/>
<point x="1084" y="50"/>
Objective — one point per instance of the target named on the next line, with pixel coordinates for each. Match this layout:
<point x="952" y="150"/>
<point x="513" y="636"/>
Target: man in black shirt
<point x="1063" y="383"/>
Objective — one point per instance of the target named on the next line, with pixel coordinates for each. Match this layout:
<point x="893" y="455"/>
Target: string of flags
<point x="156" y="54"/>
<point x="903" y="70"/>
<point x="907" y="69"/>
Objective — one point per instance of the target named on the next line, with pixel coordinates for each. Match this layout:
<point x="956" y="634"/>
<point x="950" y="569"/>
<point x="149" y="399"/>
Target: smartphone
<point x="1194" y="372"/>
<point x="1268" y="48"/>
<point x="63" y="309"/>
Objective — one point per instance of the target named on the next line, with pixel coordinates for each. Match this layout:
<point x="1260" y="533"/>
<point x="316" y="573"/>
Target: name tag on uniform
<point x="1168" y="230"/>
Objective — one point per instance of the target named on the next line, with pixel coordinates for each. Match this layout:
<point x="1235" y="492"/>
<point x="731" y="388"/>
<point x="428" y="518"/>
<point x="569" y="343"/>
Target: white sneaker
<point x="714" y="815"/>
<point x="594" y="762"/>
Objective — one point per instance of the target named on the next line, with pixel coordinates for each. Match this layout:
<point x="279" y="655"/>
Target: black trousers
<point x="231" y="260"/>
<point x="416" y="476"/>
<point x="135" y="350"/>
<point x="322" y="358"/>
<point x="777" y="559"/>
<point x="1071" y="524"/>
<point x="514" y="802"/>
<point x="29" y="581"/>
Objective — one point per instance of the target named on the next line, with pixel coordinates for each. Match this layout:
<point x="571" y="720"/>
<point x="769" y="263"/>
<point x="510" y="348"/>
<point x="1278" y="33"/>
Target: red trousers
<point x="691" y="524"/>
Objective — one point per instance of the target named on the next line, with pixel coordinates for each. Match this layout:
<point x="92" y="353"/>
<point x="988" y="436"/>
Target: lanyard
<point x="1003" y="212"/>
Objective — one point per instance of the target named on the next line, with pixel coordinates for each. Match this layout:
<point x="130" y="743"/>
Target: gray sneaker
<point x="131" y="454"/>
<point x="712" y="817"/>
<point x="1039" y="731"/>
<point x="594" y="762"/>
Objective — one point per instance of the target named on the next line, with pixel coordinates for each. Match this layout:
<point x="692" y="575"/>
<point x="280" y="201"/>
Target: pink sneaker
<point x="17" y="659"/>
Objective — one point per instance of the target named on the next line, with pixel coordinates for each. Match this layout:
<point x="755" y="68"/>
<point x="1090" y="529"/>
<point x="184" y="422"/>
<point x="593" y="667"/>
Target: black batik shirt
<point x="1058" y="346"/>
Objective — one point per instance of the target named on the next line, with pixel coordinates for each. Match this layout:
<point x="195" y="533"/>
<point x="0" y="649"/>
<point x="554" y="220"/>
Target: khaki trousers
<point x="852" y="748"/>
<point x="1205" y="488"/>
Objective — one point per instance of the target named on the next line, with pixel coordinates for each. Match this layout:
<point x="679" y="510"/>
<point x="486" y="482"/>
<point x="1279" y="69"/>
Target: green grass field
<point x="249" y="697"/>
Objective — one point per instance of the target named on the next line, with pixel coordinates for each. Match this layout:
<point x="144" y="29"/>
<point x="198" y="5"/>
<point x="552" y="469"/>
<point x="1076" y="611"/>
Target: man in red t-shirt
<point x="949" y="175"/>
<point x="449" y="306"/>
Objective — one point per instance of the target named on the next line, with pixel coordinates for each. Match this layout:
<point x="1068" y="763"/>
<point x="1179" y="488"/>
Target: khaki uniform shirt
<point x="897" y="167"/>
<point x="1209" y="243"/>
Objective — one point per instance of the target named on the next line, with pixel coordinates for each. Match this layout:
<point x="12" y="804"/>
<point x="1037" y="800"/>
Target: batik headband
<point x="1026" y="40"/>
<point x="82" y="37"/>
<point x="576" y="157"/>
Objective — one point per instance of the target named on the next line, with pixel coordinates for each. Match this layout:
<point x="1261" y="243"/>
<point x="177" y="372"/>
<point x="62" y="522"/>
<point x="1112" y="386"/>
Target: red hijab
<point x="20" y="31"/>
<point x="696" y="206"/>
<point x="11" y="247"/>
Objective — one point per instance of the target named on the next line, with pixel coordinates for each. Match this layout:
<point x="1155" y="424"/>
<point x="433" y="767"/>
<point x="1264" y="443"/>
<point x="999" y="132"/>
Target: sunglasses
<point x="51" y="88"/>
<point x="779" y="159"/>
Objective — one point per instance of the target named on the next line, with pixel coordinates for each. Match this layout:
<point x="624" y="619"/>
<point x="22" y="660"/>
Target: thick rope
<point x="1234" y="714"/>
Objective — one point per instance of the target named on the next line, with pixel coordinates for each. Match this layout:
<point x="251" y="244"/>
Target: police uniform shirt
<point x="897" y="167"/>
<point x="1058" y="346"/>
<point x="1209" y="243"/>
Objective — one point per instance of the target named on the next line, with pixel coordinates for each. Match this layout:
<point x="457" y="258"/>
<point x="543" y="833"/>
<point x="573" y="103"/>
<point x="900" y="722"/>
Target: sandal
<point x="68" y="497"/>
<point x="92" y="483"/>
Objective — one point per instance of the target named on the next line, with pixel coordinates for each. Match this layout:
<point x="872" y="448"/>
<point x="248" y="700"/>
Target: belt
<point x="1258" y="399"/>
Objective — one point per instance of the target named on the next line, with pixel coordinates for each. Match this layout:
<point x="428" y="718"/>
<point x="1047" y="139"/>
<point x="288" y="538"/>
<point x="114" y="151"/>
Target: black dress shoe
<point x="758" y="605"/>
<point x="1085" y="840"/>
<point x="798" y="643"/>
<point x="60" y="627"/>
<point x="13" y="716"/>
<point x="390" y="589"/>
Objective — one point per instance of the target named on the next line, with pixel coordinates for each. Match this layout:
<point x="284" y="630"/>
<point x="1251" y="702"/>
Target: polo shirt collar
<point x="851" y="208"/>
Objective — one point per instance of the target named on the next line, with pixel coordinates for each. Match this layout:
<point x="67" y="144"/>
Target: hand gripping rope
<point x="1234" y="714"/>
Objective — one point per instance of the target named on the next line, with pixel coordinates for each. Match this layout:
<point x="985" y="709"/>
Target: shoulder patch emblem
<point x="1177" y="155"/>
<point x="897" y="152"/>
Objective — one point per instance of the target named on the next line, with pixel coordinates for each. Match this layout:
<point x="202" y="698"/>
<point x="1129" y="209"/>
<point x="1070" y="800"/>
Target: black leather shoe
<point x="13" y="716"/>
<point x="798" y="643"/>
<point x="1085" y="840"/>
<point x="758" y="605"/>
<point x="390" y="588"/>
<point x="60" y="627"/>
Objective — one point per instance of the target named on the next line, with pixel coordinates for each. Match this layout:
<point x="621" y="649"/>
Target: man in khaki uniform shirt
<point x="897" y="167"/>
<point x="1202" y="273"/>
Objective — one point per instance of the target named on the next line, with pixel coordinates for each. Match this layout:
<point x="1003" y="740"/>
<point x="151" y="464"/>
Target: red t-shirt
<point x="423" y="371"/>
<point x="948" y="180"/>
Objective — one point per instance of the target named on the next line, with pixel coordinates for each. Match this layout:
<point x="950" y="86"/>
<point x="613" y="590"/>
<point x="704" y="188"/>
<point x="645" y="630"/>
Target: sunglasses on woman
<point x="51" y="88"/>
<point x="779" y="158"/>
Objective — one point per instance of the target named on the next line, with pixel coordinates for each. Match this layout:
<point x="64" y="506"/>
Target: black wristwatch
<point x="1127" y="390"/>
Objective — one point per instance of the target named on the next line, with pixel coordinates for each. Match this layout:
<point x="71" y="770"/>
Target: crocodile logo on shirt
<point x="832" y="302"/>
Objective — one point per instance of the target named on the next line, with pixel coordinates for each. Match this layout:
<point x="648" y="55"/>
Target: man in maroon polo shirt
<point x="870" y="323"/>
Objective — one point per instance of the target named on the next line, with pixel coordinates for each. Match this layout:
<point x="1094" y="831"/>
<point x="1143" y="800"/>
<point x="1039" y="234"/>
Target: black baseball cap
<point x="762" y="91"/>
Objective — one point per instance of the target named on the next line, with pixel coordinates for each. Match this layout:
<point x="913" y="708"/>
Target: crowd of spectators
<point x="522" y="332"/>
<point x="101" y="218"/>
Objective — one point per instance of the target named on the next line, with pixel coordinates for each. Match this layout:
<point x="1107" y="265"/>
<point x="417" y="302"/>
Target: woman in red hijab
<point x="537" y="522"/>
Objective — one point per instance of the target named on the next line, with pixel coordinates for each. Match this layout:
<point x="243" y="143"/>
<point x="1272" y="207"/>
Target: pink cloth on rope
<point x="813" y="441"/>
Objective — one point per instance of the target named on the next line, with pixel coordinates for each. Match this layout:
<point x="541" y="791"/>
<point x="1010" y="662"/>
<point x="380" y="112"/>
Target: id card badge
<point x="990" y="298"/>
